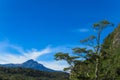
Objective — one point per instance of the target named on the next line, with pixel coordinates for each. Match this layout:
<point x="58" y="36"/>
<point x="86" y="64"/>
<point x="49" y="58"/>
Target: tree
<point x="99" y="27"/>
<point x="85" y="57"/>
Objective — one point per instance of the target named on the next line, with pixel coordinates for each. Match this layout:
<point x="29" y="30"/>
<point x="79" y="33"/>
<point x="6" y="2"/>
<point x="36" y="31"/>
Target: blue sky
<point x="39" y="28"/>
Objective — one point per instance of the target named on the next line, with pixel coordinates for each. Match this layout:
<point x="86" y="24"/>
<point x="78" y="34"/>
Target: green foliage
<point x="100" y="26"/>
<point x="65" y="56"/>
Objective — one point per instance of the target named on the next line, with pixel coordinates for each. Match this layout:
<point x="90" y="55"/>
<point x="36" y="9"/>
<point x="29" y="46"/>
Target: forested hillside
<point x="30" y="74"/>
<point x="111" y="65"/>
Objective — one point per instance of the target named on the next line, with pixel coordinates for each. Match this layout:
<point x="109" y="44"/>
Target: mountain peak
<point x="30" y="64"/>
<point x="35" y="65"/>
<point x="31" y="61"/>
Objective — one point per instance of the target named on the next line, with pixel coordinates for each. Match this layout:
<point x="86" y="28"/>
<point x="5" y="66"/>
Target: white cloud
<point x="10" y="57"/>
<point x="55" y="65"/>
<point x="34" y="54"/>
<point x="83" y="30"/>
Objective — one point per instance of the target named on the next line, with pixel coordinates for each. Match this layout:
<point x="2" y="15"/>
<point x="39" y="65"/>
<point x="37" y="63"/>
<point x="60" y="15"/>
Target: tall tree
<point x="99" y="27"/>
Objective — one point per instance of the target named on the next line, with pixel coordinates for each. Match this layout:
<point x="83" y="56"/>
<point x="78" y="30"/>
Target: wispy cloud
<point x="83" y="30"/>
<point x="6" y="56"/>
<point x="55" y="65"/>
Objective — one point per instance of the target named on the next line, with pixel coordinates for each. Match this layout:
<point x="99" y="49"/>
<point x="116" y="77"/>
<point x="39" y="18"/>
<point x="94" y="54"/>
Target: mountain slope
<point x="112" y="54"/>
<point x="113" y="39"/>
<point x="30" y="64"/>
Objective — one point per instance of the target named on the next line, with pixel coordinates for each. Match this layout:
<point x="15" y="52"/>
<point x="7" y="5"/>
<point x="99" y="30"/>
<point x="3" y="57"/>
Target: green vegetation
<point x="30" y="74"/>
<point x="100" y="61"/>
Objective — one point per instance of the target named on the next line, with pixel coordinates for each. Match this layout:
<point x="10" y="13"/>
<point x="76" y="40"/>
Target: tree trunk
<point x="97" y="69"/>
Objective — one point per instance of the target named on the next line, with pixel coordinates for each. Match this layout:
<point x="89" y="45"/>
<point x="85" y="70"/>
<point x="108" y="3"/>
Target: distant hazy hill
<point x="30" y="64"/>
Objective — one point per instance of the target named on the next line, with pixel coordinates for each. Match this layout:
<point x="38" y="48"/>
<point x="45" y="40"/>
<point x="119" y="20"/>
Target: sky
<point x="37" y="29"/>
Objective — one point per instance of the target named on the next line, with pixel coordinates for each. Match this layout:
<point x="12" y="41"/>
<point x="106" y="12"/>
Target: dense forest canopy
<point x="30" y="74"/>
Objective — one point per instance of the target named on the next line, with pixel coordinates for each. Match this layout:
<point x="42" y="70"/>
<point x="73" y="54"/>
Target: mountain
<point x="30" y="64"/>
